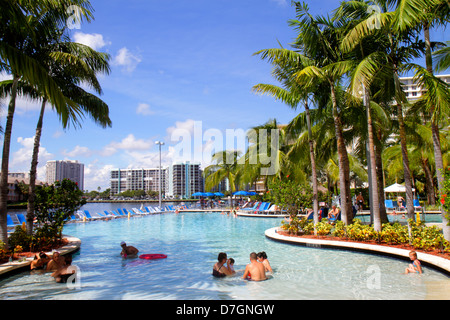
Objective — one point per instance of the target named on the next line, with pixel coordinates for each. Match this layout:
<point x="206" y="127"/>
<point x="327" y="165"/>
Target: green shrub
<point x="394" y="233"/>
<point x="20" y="238"/>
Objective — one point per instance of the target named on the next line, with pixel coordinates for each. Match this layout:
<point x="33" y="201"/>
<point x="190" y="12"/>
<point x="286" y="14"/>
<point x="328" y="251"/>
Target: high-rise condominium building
<point x="184" y="179"/>
<point x="137" y="179"/>
<point x="68" y="169"/>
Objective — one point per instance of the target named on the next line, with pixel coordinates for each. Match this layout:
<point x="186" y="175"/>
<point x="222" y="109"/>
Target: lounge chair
<point x="310" y="215"/>
<point x="335" y="219"/>
<point x="10" y="223"/>
<point x="389" y="204"/>
<point x="416" y="204"/>
<point x="21" y="218"/>
<point x="255" y="207"/>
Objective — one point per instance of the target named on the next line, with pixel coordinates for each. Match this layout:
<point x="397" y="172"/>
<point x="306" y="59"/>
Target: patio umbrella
<point x="209" y="194"/>
<point x="251" y="193"/>
<point x="396" y="188"/>
<point x="198" y="194"/>
<point x="241" y="193"/>
<point x="219" y="194"/>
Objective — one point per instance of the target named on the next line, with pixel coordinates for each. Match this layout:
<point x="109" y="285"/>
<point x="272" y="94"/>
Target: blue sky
<point x="174" y="63"/>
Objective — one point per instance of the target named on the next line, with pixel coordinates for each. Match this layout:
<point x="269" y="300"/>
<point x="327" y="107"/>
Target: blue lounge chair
<point x="126" y="212"/>
<point x="389" y="204"/>
<point x="337" y="218"/>
<point x="88" y="215"/>
<point x="21" y="218"/>
<point x="310" y="216"/>
<point x="9" y="222"/>
<point x="416" y="204"/>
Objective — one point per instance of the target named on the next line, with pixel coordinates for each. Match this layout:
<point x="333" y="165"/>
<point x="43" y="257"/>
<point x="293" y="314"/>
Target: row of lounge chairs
<point x="393" y="205"/>
<point x="18" y="219"/>
<point x="85" y="215"/>
<point x="262" y="208"/>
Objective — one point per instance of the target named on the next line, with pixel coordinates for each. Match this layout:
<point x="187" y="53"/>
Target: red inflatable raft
<point x="153" y="256"/>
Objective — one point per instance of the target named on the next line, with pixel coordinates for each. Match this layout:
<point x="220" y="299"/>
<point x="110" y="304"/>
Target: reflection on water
<point x="192" y="242"/>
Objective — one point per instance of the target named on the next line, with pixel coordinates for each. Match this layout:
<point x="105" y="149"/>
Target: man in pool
<point x="254" y="270"/>
<point x="128" y="251"/>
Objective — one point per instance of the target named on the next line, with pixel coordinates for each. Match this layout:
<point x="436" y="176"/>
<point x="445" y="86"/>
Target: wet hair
<point x="253" y="256"/>
<point x="221" y="256"/>
<point x="262" y="254"/>
<point x="231" y="260"/>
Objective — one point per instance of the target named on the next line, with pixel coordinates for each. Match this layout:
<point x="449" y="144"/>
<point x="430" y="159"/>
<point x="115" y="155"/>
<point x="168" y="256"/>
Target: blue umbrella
<point x="241" y="193"/>
<point x="198" y="194"/>
<point x="219" y="194"/>
<point x="252" y="193"/>
<point x="209" y="194"/>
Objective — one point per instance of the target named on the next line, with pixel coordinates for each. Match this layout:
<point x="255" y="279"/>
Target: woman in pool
<point x="219" y="269"/>
<point x="262" y="257"/>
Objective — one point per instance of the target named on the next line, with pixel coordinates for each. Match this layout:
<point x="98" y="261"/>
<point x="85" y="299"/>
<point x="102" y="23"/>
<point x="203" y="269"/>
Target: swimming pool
<point x="192" y="242"/>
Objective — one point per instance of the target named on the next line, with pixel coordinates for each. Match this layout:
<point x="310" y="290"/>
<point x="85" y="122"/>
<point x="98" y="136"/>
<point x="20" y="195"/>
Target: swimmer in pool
<point x="415" y="266"/>
<point x="128" y="251"/>
<point x="221" y="270"/>
<point x="262" y="257"/>
<point x="254" y="270"/>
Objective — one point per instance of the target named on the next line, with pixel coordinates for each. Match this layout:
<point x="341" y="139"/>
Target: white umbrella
<point x="396" y="188"/>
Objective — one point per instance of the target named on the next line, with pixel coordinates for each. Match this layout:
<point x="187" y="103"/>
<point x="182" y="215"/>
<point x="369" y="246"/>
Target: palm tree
<point x="319" y="39"/>
<point x="426" y="13"/>
<point x="21" y="24"/>
<point x="287" y="63"/>
<point x="64" y="63"/>
<point x="396" y="49"/>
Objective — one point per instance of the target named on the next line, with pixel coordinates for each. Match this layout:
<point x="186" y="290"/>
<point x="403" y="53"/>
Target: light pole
<point x="160" y="143"/>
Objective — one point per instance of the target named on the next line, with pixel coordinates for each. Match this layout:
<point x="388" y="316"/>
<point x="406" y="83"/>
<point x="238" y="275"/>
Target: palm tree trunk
<point x="313" y="167"/>
<point x="344" y="164"/>
<point x="429" y="182"/>
<point x="435" y="135"/>
<point x="379" y="162"/>
<point x="406" y="168"/>
<point x="374" y="192"/>
<point x="33" y="170"/>
<point x="5" y="162"/>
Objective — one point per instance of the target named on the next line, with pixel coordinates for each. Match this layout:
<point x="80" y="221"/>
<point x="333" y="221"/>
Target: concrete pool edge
<point x="441" y="264"/>
<point x="7" y="269"/>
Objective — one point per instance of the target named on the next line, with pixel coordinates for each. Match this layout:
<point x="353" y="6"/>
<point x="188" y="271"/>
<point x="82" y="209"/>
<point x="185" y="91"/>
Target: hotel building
<point x="58" y="170"/>
<point x="137" y="179"/>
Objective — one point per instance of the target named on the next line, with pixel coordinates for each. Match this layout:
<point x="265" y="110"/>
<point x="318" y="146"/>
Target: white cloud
<point x="144" y="109"/>
<point x="126" y="59"/>
<point x="96" y="175"/>
<point x="280" y="2"/>
<point x="128" y="143"/>
<point x="77" y="152"/>
<point x="21" y="159"/>
<point x="94" y="40"/>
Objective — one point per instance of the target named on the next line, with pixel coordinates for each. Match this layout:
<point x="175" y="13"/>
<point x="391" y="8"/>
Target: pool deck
<point x="16" y="266"/>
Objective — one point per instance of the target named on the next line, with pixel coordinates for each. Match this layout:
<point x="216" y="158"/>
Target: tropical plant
<point x="23" y="23"/>
<point x="54" y="206"/>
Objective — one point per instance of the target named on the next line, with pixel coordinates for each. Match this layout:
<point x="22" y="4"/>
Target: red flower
<point x="443" y="200"/>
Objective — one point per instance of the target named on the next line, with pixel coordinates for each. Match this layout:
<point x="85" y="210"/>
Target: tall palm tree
<point x="319" y="39"/>
<point x="424" y="14"/>
<point x="396" y="50"/>
<point x="69" y="64"/>
<point x="287" y="63"/>
<point x="21" y="23"/>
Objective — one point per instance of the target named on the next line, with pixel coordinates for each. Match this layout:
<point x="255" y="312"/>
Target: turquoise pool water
<point x="192" y="242"/>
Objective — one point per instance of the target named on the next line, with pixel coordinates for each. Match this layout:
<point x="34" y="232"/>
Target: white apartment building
<point x="73" y="170"/>
<point x="137" y="179"/>
<point x="184" y="179"/>
<point x="413" y="91"/>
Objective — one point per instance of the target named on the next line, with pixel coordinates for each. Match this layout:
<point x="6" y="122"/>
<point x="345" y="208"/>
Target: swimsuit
<point x="218" y="274"/>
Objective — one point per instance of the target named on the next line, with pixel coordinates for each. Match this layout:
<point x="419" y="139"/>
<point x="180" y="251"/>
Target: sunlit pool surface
<point x="192" y="241"/>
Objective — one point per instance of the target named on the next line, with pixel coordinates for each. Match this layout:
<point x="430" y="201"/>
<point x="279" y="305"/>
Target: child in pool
<point x="232" y="265"/>
<point x="415" y="266"/>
